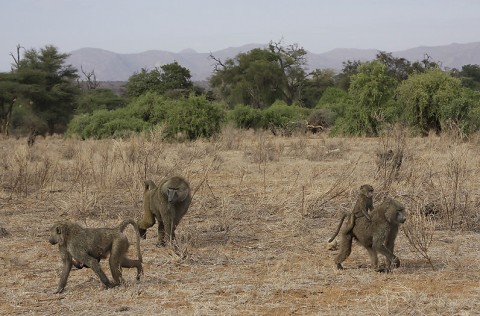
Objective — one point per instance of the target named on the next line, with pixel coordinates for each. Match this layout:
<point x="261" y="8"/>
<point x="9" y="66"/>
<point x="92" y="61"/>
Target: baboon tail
<point x="149" y="185"/>
<point x="338" y="228"/>
<point x="124" y="225"/>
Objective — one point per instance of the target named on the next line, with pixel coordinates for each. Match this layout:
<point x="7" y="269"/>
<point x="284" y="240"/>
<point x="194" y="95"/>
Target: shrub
<point x="105" y="124"/>
<point x="149" y="107"/>
<point x="322" y="117"/>
<point x="282" y="117"/>
<point x="246" y="117"/>
<point x="194" y="117"/>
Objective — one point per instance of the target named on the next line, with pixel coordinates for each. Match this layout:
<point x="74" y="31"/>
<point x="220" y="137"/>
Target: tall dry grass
<point x="253" y="241"/>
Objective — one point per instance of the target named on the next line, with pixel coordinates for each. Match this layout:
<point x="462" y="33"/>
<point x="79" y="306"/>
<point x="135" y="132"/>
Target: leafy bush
<point x="334" y="99"/>
<point x="194" y="117"/>
<point x="96" y="99"/>
<point x="246" y="117"/>
<point x="77" y="125"/>
<point x="104" y="124"/>
<point x="150" y="107"/>
<point x="284" y="118"/>
<point x="322" y="117"/>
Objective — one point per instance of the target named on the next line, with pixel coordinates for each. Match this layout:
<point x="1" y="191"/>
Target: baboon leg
<point x="132" y="263"/>
<point x="373" y="257"/>
<point x="67" y="266"/>
<point x="161" y="234"/>
<point x="95" y="266"/>
<point x="118" y="252"/>
<point x="345" y="247"/>
<point x="169" y="222"/>
<point x="390" y="257"/>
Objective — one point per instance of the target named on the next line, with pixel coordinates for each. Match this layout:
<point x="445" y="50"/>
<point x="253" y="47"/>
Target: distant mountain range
<point x="110" y="66"/>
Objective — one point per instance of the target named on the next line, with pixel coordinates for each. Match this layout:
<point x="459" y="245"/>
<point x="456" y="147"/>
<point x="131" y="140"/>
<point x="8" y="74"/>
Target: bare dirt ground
<point x="254" y="239"/>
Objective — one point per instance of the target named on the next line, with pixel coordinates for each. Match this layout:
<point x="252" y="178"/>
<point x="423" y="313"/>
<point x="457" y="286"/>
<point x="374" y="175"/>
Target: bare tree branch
<point x="218" y="63"/>
<point x="92" y="82"/>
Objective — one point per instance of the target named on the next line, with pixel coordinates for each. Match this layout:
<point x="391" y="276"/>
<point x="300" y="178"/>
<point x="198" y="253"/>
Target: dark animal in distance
<point x="390" y="161"/>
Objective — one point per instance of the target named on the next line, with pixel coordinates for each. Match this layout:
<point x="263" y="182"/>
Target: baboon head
<point x="176" y="190"/>
<point x="395" y="212"/>
<point x="367" y="190"/>
<point x="57" y="234"/>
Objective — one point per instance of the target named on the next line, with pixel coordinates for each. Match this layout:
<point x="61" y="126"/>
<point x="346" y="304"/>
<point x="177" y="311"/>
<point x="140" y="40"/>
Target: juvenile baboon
<point x="166" y="204"/>
<point x="363" y="204"/>
<point x="84" y="247"/>
<point x="377" y="235"/>
<point x="389" y="160"/>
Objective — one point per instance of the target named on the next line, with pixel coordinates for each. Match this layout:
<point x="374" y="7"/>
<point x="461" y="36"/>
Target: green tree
<point x="143" y="81"/>
<point x="399" y="68"/>
<point x="315" y="85"/>
<point x="261" y="76"/>
<point x="292" y="61"/>
<point x="95" y="99"/>
<point x="370" y="89"/>
<point x="250" y="78"/>
<point x="49" y="84"/>
<point x="334" y="99"/>
<point x="175" y="77"/>
<point x="9" y="87"/>
<point x="349" y="69"/>
<point x="470" y="76"/>
<point x="429" y="100"/>
<point x="170" y="79"/>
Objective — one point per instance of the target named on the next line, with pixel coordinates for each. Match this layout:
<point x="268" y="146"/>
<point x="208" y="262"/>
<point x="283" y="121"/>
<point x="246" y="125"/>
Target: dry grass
<point x="254" y="240"/>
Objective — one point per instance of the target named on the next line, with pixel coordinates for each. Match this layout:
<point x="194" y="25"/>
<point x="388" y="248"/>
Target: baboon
<point x="389" y="159"/>
<point x="431" y="209"/>
<point x="362" y="206"/>
<point x="84" y="247"/>
<point x="377" y="235"/>
<point x="166" y="204"/>
<point x="32" y="136"/>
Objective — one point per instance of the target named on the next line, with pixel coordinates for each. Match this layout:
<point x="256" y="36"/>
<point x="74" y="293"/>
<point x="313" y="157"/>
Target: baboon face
<point x="56" y="235"/>
<point x="176" y="190"/>
<point x="367" y="190"/>
<point x="396" y="213"/>
<point x="172" y="195"/>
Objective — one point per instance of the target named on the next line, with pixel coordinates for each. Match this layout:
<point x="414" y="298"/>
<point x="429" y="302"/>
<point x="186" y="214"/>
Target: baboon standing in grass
<point x="377" y="235"/>
<point x="390" y="161"/>
<point x="363" y="205"/>
<point x="84" y="247"/>
<point x="166" y="204"/>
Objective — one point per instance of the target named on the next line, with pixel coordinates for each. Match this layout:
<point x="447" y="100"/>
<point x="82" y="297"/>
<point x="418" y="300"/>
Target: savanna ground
<point x="254" y="239"/>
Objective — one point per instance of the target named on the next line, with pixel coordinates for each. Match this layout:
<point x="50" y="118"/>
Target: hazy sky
<point x="125" y="26"/>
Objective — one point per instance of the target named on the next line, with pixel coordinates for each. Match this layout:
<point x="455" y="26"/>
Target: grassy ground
<point x="254" y="239"/>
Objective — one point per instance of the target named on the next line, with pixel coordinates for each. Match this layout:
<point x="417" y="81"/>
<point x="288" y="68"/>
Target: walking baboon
<point x="377" y="235"/>
<point x="362" y="206"/>
<point x="84" y="247"/>
<point x="166" y="204"/>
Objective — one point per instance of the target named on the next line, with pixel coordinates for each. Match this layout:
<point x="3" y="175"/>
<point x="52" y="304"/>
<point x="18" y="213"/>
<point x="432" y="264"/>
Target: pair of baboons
<point x="375" y="230"/>
<point x="84" y="247"/>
